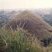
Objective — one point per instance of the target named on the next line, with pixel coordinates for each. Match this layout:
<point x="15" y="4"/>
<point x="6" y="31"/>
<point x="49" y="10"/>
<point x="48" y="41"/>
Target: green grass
<point x="19" y="41"/>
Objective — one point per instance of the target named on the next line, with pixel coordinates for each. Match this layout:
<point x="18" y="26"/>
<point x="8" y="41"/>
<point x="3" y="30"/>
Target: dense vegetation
<point x="16" y="42"/>
<point x="20" y="41"/>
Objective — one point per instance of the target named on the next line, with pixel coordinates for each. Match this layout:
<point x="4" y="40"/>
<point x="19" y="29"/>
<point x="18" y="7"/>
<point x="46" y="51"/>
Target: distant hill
<point x="32" y="23"/>
<point x="3" y="18"/>
<point x="46" y="14"/>
<point x="6" y="16"/>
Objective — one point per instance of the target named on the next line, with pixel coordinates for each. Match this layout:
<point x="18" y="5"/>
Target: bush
<point x="18" y="41"/>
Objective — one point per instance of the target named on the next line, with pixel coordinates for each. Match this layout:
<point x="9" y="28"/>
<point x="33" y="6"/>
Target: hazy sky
<point x="25" y="4"/>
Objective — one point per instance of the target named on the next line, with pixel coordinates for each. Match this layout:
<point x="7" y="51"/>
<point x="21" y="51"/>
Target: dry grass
<point x="20" y="41"/>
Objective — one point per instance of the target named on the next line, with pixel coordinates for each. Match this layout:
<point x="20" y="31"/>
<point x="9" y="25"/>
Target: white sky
<point x="25" y="4"/>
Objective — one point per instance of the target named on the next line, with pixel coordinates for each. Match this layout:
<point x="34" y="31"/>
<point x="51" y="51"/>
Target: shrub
<point x="18" y="41"/>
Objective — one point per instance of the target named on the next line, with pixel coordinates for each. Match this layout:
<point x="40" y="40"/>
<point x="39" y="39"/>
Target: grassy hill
<point x="24" y="33"/>
<point x="34" y="24"/>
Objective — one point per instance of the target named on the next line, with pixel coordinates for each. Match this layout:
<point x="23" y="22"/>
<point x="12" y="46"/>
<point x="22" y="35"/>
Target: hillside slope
<point x="32" y="23"/>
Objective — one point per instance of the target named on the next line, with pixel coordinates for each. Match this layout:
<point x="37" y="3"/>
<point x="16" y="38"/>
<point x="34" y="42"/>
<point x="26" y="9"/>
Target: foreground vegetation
<point x="20" y="41"/>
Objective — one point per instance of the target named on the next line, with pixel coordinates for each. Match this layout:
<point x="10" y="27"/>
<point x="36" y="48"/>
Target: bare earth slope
<point x="32" y="23"/>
